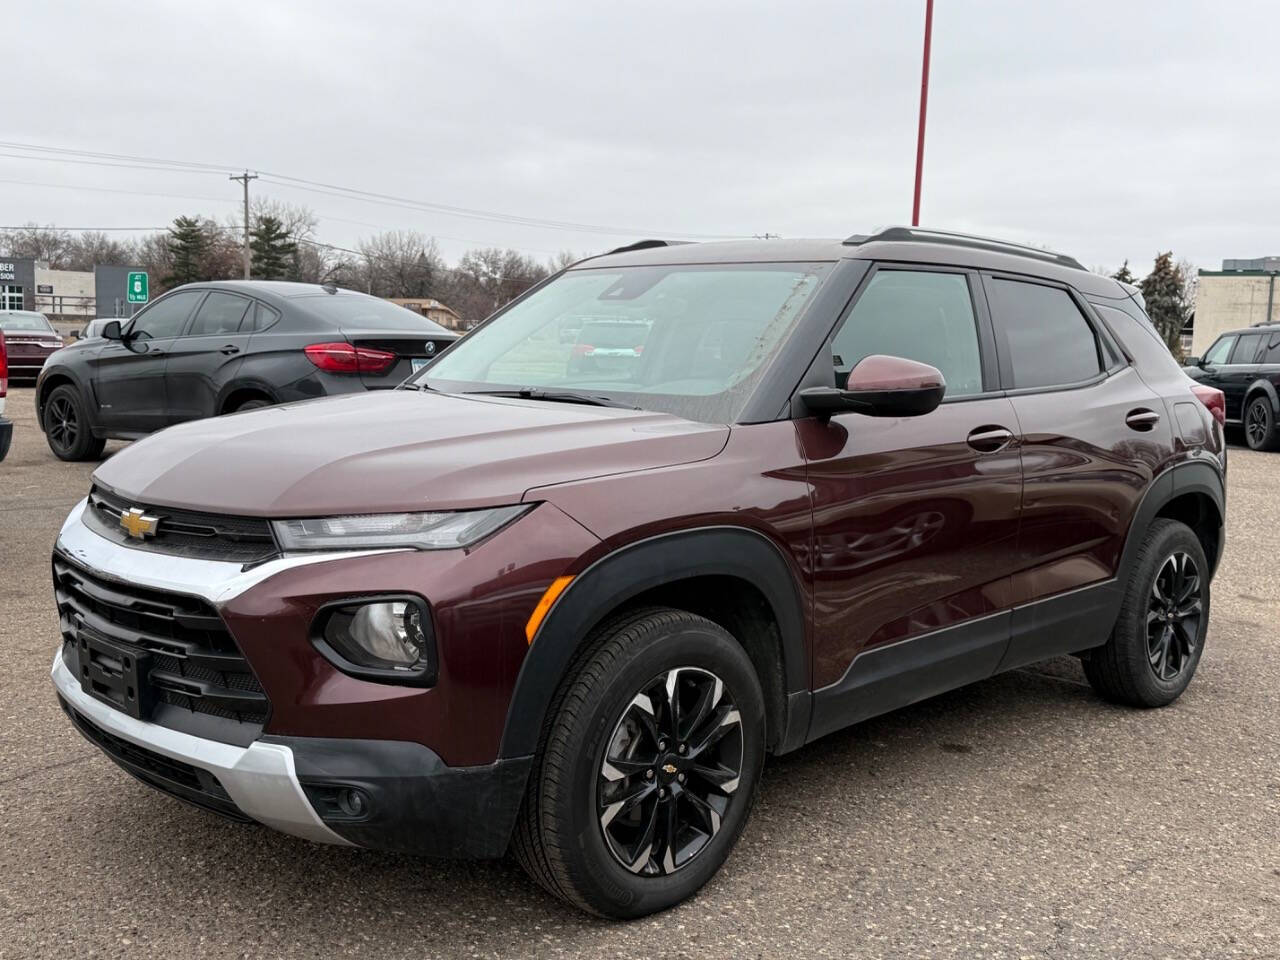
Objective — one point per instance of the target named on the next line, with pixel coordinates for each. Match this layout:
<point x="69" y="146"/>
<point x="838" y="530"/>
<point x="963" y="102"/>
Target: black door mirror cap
<point x="111" y="330"/>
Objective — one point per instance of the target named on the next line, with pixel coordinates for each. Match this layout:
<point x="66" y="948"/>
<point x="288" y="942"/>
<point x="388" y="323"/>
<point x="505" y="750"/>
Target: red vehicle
<point x="568" y="613"/>
<point x="31" y="338"/>
<point x="6" y="427"/>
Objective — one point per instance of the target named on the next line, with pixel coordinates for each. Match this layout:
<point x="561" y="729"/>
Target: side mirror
<point x="111" y="330"/>
<point x="74" y="334"/>
<point x="1193" y="362"/>
<point x="881" y="386"/>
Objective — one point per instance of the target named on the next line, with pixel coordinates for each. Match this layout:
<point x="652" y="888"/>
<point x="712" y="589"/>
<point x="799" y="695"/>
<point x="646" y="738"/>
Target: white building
<point x="1243" y="293"/>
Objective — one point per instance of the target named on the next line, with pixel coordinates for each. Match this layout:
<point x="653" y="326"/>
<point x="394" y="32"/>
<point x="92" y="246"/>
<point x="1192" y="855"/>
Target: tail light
<point x="582" y="349"/>
<point x="1214" y="399"/>
<point x="343" y="357"/>
<point x="4" y="368"/>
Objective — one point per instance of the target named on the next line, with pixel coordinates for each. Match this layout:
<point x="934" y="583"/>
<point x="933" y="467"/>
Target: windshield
<point x="692" y="340"/>
<point x="35" y="322"/>
<point x="350" y="311"/>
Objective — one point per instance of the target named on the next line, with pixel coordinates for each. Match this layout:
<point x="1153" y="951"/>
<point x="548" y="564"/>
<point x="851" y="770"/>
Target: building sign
<point x="7" y="272"/>
<point x="137" y="287"/>
<point x="44" y="288"/>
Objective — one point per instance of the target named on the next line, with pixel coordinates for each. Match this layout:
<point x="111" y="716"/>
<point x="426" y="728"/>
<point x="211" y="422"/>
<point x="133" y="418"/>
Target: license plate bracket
<point x="115" y="674"/>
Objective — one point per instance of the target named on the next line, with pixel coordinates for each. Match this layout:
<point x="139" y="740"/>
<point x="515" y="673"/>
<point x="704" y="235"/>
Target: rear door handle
<point x="1142" y="419"/>
<point x="990" y="439"/>
<point x="229" y="349"/>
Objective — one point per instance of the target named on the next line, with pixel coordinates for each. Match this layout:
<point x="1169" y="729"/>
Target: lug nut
<point x="662" y="792"/>
<point x="662" y="744"/>
<point x="682" y="748"/>
<point x="680" y="778"/>
<point x="648" y="774"/>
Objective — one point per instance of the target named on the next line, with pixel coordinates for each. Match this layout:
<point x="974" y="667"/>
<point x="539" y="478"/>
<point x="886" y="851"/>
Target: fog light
<point x="384" y="639"/>
<point x="351" y="802"/>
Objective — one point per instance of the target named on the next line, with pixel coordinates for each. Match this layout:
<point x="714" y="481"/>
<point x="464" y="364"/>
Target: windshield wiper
<point x="556" y="396"/>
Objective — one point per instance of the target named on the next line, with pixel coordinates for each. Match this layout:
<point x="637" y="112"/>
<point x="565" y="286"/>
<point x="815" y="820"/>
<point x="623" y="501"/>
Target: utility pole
<point x="924" y="103"/>
<point x="245" y="178"/>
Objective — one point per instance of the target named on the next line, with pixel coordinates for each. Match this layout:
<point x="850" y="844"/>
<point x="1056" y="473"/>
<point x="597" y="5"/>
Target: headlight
<point x="383" y="638"/>
<point x="422" y="531"/>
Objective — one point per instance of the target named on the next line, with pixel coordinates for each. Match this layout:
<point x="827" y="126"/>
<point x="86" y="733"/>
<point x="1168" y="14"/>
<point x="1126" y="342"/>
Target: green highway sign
<point x="138" y="289"/>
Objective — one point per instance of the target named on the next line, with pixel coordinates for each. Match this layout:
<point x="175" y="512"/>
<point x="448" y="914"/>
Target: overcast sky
<point x="1104" y="129"/>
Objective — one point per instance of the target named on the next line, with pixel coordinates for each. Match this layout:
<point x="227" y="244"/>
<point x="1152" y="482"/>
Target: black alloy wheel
<point x="1159" y="635"/>
<point x="62" y="423"/>
<point x="66" y="427"/>
<point x="670" y="771"/>
<point x="646" y="770"/>
<point x="1259" y="424"/>
<point x="1173" y="617"/>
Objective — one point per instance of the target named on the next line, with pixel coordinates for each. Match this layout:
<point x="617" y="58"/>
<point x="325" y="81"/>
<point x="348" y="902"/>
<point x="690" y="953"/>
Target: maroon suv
<point x="566" y="610"/>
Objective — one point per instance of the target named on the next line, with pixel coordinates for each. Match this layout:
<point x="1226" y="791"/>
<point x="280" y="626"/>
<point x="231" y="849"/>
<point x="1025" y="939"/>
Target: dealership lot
<point x="1018" y="817"/>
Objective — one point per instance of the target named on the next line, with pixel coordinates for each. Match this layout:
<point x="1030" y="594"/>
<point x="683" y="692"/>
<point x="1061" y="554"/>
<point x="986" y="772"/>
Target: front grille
<point x="194" y="668"/>
<point x="183" y="533"/>
<point x="174" y="777"/>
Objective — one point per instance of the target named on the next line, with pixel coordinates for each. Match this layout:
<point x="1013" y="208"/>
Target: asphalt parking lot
<point x="1020" y="817"/>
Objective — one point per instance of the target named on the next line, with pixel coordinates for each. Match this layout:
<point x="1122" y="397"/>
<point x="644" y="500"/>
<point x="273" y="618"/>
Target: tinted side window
<point x="1219" y="352"/>
<point x="1043" y="334"/>
<point x="1246" y="348"/>
<point x="1273" y="351"/>
<point x="167" y="316"/>
<point x="918" y="315"/>
<point x="219" y="314"/>
<point x="260" y="317"/>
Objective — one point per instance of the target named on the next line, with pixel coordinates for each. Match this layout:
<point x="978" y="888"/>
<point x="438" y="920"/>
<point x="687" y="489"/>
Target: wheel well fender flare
<point x="1263" y="385"/>
<point x="626" y="573"/>
<point x="1177" y="481"/>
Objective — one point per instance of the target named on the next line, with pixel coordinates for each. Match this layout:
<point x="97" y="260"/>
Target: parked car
<point x="212" y="348"/>
<point x="1245" y="366"/>
<point x="6" y="426"/>
<point x="31" y="341"/>
<point x="570" y="613"/>
<point x="93" y="329"/>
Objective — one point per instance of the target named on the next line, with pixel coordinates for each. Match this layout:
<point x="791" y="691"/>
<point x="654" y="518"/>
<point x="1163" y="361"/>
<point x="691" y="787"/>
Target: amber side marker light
<point x="540" y="611"/>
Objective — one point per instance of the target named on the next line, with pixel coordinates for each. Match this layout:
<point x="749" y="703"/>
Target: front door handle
<point x="990" y="439"/>
<point x="230" y="349"/>
<point x="1142" y="419"/>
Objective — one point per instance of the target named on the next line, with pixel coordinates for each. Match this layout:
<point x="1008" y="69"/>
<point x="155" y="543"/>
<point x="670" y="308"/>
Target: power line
<point x="62" y="154"/>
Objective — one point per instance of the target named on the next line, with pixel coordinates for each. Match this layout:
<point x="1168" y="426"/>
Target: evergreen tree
<point x="271" y="248"/>
<point x="187" y="243"/>
<point x="1124" y="275"/>
<point x="1164" y="289"/>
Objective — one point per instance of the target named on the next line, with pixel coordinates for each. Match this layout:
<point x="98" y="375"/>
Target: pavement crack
<point x="45" y="769"/>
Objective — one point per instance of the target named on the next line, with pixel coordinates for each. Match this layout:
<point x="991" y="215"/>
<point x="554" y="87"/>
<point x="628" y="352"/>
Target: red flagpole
<point x="924" y="104"/>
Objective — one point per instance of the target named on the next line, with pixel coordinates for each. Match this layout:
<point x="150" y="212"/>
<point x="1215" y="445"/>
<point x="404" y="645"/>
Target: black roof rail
<point x="643" y="245"/>
<point x="920" y="235"/>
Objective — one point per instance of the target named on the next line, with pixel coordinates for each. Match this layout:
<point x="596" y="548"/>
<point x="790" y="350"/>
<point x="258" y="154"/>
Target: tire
<point x="1260" y="424"/>
<point x="251" y="405"/>
<point x="66" y="426"/>
<point x="1130" y="667"/>
<point x="568" y="840"/>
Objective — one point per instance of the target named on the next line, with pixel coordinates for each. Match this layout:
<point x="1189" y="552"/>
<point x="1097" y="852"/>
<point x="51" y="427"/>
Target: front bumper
<point x="286" y="778"/>
<point x="260" y="779"/>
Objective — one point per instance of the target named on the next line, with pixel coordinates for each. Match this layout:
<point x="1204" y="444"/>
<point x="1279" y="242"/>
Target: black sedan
<point x="211" y="348"/>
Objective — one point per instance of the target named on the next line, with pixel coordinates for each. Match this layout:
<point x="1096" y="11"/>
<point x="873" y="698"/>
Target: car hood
<point x="395" y="450"/>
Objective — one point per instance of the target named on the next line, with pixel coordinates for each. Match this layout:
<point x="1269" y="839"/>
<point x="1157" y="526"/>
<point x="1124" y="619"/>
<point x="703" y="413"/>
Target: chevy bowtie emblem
<point x="138" y="525"/>
<point x="668" y="768"/>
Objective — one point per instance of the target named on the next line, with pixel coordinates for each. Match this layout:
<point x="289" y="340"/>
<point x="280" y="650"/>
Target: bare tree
<point x="401" y="263"/>
<point x="46" y="244"/>
<point x="94" y="247"/>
